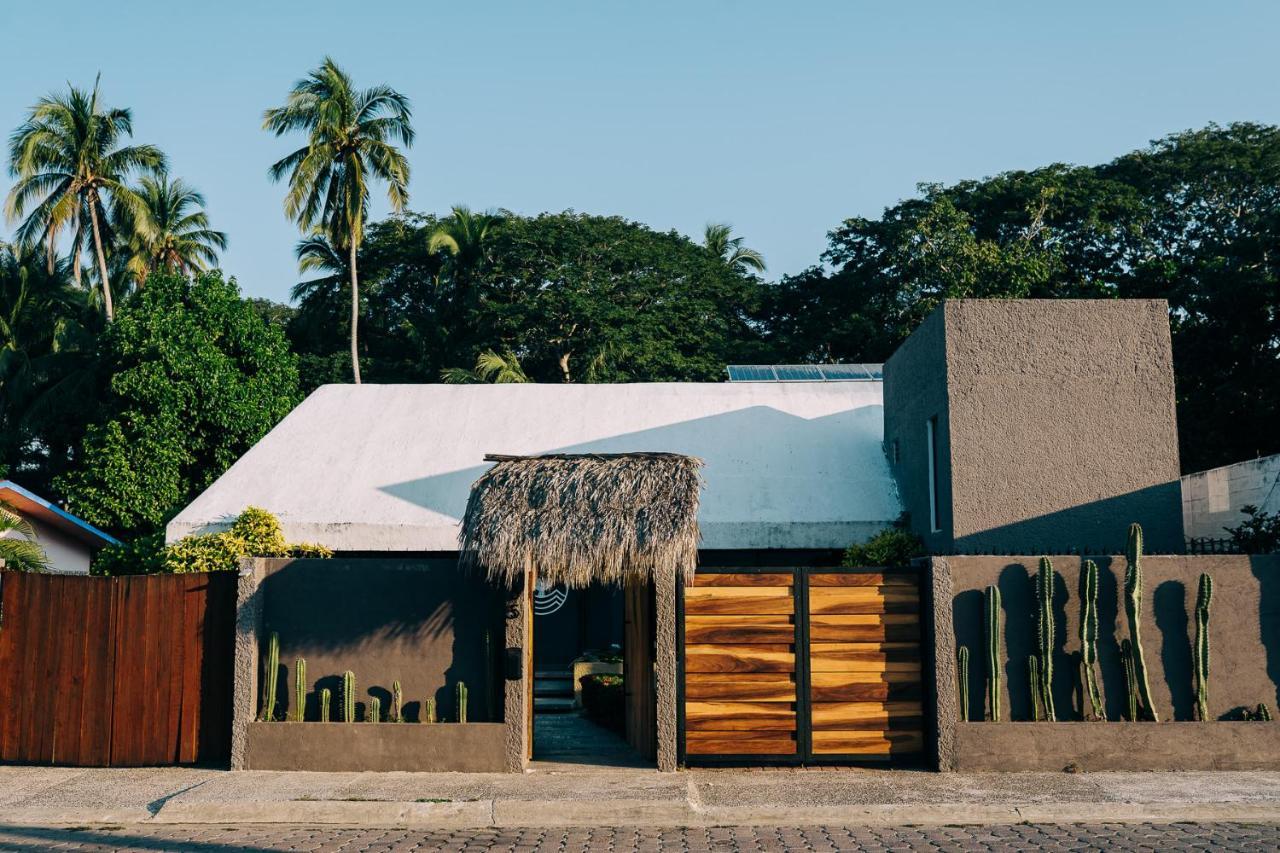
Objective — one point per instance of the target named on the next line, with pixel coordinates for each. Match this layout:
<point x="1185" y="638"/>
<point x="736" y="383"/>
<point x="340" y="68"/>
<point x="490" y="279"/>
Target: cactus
<point x="429" y="711"/>
<point x="1033" y="677"/>
<point x="272" y="678"/>
<point x="325" y="696"/>
<point x="397" y="703"/>
<point x="1133" y="609"/>
<point x="1130" y="679"/>
<point x="1089" y="639"/>
<point x="373" y="714"/>
<point x="299" y="689"/>
<point x="348" y="697"/>
<point x="462" y="702"/>
<point x="1044" y="633"/>
<point x="1201" y="652"/>
<point x="993" y="651"/>
<point x="962" y="668"/>
<point x="1262" y="713"/>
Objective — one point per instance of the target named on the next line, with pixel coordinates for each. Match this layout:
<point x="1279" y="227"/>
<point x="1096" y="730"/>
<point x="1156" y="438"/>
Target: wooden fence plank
<point x="743" y="579"/>
<point x="738" y="743"/>
<point x="750" y="601"/>
<point x="739" y="658"/>
<point x="843" y="579"/>
<point x="739" y="629"/>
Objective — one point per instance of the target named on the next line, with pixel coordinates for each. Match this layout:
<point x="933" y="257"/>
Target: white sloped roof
<point x="389" y="467"/>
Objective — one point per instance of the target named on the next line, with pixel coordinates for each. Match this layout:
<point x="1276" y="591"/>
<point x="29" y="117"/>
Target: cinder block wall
<point x="1058" y="425"/>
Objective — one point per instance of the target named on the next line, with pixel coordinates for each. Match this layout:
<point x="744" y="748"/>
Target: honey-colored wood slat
<point x="865" y="715"/>
<point x="739" y="658"/>
<point x="760" y="687"/>
<point x="739" y="629"/>
<point x="870" y="744"/>
<point x="861" y="657"/>
<point x="862" y="687"/>
<point x="740" y="716"/>
<point x="733" y="600"/>
<point x="890" y="579"/>
<point x="743" y="579"/>
<point x="736" y="743"/>
<point x="862" y="600"/>
<point x="869" y="628"/>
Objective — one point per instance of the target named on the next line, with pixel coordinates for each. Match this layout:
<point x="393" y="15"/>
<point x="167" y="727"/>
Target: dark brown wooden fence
<point x="118" y="672"/>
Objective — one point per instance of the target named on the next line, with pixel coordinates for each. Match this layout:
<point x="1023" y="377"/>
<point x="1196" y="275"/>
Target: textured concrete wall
<point x="915" y="390"/>
<point x="1244" y="635"/>
<point x="338" y="747"/>
<point x="1211" y="500"/>
<point x="665" y="666"/>
<point x="516" y="697"/>
<point x="1060" y="427"/>
<point x="940" y="659"/>
<point x="244" y="695"/>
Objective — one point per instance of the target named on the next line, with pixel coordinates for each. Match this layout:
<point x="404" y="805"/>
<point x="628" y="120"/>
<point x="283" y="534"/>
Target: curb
<point x="460" y="815"/>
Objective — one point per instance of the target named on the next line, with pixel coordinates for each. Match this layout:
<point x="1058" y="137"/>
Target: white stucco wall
<point x="1211" y="500"/>
<point x="66" y="553"/>
<point x="389" y="467"/>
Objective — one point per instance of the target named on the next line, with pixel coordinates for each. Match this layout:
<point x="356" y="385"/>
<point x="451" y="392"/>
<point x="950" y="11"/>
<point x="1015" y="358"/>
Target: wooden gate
<point x="116" y="672"/>
<point x="800" y="666"/>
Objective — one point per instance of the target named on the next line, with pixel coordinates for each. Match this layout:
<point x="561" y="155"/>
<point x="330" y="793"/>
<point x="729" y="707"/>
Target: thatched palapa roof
<point x="583" y="518"/>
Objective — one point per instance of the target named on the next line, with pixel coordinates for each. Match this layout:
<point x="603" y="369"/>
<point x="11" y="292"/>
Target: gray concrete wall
<point x="1244" y="638"/>
<point x="1060" y="425"/>
<point x="338" y="747"/>
<point x="1211" y="500"/>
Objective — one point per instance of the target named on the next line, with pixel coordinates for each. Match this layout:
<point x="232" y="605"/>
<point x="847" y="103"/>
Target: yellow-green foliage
<point x="255" y="533"/>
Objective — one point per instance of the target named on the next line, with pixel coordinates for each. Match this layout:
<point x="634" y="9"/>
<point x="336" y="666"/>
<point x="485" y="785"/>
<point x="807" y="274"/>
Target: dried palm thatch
<point x="583" y="518"/>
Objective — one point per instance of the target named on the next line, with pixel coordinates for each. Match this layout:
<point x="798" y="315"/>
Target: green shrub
<point x="603" y="700"/>
<point x="1257" y="534"/>
<point x="893" y="547"/>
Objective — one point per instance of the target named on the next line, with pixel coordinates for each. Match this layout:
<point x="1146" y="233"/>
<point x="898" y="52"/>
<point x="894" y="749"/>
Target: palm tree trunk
<point x="102" y="260"/>
<point x="76" y="239"/>
<point x="355" y="317"/>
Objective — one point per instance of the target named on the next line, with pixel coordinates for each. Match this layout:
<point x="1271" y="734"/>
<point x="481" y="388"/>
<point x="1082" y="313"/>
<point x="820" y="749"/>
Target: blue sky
<point x="781" y="118"/>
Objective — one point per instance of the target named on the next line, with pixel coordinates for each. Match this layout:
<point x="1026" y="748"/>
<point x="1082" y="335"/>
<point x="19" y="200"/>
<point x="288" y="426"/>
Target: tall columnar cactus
<point x="373" y="714"/>
<point x="429" y="711"/>
<point x="272" y="676"/>
<point x="1033" y="679"/>
<point x="397" y="703"/>
<point x="348" y="697"/>
<point x="325" y="697"/>
<point x="1130" y="679"/>
<point x="1044" y="635"/>
<point x="299" y="689"/>
<point x="962" y="675"/>
<point x="1133" y="609"/>
<point x="1203" y="597"/>
<point x="1089" y="639"/>
<point x="992" y="624"/>
<point x="462" y="702"/>
<point x="1263" y="712"/>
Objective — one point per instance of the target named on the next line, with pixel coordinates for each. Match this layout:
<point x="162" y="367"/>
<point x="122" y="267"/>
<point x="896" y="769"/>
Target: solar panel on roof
<point x="750" y="373"/>
<point x="805" y="372"/>
<point x="838" y="372"/>
<point x="798" y="373"/>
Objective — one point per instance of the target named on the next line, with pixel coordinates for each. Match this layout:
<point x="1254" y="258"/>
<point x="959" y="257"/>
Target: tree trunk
<point x="76" y="239"/>
<point x="355" y="317"/>
<point x="102" y="259"/>
<point x="564" y="367"/>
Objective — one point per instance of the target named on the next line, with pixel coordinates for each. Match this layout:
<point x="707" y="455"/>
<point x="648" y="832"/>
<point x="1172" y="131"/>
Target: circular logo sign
<point x="548" y="598"/>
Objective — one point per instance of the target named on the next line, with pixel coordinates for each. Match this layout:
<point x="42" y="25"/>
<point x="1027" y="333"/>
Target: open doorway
<point x="592" y="670"/>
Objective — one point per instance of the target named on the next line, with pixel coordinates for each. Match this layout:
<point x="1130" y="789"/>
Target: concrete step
<point x="552" y="704"/>
<point x="549" y="687"/>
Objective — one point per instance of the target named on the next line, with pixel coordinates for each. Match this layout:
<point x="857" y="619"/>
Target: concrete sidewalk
<point x="627" y="797"/>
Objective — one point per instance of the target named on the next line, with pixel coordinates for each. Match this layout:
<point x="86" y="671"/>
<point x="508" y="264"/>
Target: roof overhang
<point x="33" y="506"/>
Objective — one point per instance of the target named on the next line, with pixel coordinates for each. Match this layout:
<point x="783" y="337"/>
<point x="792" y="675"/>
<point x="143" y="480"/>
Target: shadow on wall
<point x="1100" y="527"/>
<point x="1267" y="571"/>
<point x="421" y="622"/>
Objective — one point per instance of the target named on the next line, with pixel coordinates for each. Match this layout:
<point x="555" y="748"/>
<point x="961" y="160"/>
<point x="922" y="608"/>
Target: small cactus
<point x="429" y="711"/>
<point x="962" y="669"/>
<point x="1089" y="639"/>
<point x="1201" y="652"/>
<point x="272" y="678"/>
<point x="373" y="713"/>
<point x="1044" y="634"/>
<point x="299" y="689"/>
<point x="1033" y="677"/>
<point x="462" y="702"/>
<point x="1130" y="679"/>
<point x="1133" y="609"/>
<point x="993" y="651"/>
<point x="397" y="703"/>
<point x="348" y="697"/>
<point x="325" y="697"/>
<point x="1263" y="713"/>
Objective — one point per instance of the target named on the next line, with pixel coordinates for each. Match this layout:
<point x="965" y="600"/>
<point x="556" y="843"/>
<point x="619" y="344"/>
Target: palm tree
<point x="490" y="367"/>
<point x="19" y="550"/>
<point x="318" y="254"/>
<point x="350" y="136"/>
<point x="729" y="249"/>
<point x="178" y="237"/>
<point x="466" y="236"/>
<point x="69" y="165"/>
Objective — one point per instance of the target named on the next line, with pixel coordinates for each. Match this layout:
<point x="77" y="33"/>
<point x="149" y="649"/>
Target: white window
<point x="935" y="513"/>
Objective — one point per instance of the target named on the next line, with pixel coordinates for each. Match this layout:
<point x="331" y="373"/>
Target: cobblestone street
<point x="203" y="839"/>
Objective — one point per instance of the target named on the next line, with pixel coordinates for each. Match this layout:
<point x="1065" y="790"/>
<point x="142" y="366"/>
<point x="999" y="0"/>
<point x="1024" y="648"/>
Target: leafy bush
<point x="603" y="700"/>
<point x="1258" y="534"/>
<point x="893" y="547"/>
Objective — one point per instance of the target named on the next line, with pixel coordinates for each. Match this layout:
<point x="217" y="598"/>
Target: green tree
<point x="718" y="241"/>
<point x="350" y="142"/>
<point x="498" y="368"/>
<point x="196" y="377"/>
<point x="177" y="236"/>
<point x="68" y="163"/>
